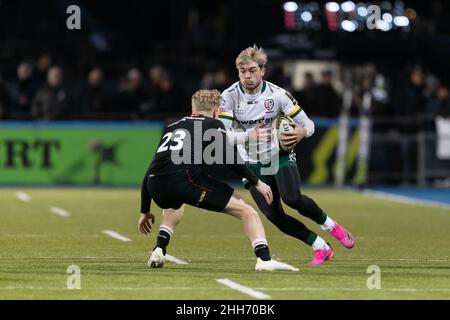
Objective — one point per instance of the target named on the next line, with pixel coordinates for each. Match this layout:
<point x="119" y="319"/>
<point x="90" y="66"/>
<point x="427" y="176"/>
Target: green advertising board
<point x="76" y="152"/>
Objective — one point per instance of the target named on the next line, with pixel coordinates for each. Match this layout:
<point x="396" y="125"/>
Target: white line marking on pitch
<point x="22" y="196"/>
<point x="405" y="199"/>
<point x="241" y="288"/>
<point x="60" y="212"/>
<point x="355" y="289"/>
<point x="211" y="289"/>
<point x="116" y="235"/>
<point x="174" y="259"/>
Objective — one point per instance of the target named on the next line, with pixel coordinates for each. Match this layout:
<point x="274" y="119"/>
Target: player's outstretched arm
<point x="146" y="216"/>
<point x="144" y="222"/>
<point x="265" y="191"/>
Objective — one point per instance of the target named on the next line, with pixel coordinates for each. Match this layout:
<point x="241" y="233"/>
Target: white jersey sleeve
<point x="227" y="103"/>
<point x="227" y="109"/>
<point x="290" y="107"/>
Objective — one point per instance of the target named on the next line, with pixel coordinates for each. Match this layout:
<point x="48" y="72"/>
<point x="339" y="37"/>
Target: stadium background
<point x="141" y="65"/>
<point x="85" y="108"/>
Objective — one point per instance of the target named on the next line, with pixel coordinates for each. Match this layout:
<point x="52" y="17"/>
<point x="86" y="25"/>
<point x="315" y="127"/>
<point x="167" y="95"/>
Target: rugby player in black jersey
<point x="175" y="177"/>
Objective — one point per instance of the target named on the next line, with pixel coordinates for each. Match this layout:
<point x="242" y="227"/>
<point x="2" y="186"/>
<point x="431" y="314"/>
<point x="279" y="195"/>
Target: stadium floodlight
<point x="401" y="21"/>
<point x="306" y="16"/>
<point x="348" y="25"/>
<point x="332" y="6"/>
<point x="383" y="25"/>
<point x="348" y="6"/>
<point x="387" y="17"/>
<point x="362" y="11"/>
<point x="290" y="6"/>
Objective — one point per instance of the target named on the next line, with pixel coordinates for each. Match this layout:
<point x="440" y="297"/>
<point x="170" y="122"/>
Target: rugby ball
<point x="282" y="125"/>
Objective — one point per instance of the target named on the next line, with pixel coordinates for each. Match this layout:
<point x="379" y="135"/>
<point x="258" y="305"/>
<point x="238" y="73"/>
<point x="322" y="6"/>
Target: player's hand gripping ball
<point x="282" y="125"/>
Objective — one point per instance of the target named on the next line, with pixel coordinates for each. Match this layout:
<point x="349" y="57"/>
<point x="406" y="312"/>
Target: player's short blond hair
<point x="205" y="100"/>
<point x="250" y="54"/>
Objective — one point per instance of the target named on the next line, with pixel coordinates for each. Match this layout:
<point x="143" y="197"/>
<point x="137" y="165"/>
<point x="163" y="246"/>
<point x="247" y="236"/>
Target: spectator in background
<point x="23" y="89"/>
<point x="165" y="96"/>
<point x="409" y="104"/>
<point x="439" y="102"/>
<point x="219" y="80"/>
<point x="132" y="97"/>
<point x="325" y="99"/>
<point x="410" y="100"/>
<point x="4" y="100"/>
<point x="51" y="100"/>
<point x="93" y="97"/>
<point x="42" y="66"/>
<point x="305" y="96"/>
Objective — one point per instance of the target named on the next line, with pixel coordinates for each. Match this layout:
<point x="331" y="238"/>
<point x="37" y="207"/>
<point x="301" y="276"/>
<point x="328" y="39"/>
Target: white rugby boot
<point x="157" y="259"/>
<point x="273" y="265"/>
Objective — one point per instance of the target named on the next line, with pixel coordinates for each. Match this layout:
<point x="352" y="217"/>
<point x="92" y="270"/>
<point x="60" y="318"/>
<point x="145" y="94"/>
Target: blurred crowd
<point x="40" y="90"/>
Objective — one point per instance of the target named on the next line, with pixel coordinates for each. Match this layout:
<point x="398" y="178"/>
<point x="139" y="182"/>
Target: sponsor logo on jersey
<point x="252" y="102"/>
<point x="269" y="104"/>
<point x="252" y="121"/>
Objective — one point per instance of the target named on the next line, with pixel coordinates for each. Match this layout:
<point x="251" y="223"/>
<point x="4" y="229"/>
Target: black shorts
<point x="190" y="186"/>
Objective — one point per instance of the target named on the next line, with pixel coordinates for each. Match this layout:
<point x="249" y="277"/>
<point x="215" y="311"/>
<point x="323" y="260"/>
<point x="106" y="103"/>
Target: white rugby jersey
<point x="241" y="111"/>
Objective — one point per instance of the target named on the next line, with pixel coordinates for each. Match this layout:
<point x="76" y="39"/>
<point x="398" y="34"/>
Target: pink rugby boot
<point x="343" y="236"/>
<point x="320" y="256"/>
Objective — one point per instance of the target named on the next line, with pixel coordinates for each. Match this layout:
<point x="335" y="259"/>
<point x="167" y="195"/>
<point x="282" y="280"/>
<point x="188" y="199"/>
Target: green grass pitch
<point x="409" y="243"/>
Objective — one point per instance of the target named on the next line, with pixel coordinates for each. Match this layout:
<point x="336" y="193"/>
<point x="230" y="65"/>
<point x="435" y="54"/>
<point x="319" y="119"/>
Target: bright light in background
<point x="383" y="25"/>
<point x="332" y="6"/>
<point x="362" y="11"/>
<point x="348" y="25"/>
<point x="290" y="6"/>
<point x="401" y="21"/>
<point x="306" y="16"/>
<point x="387" y="17"/>
<point x="348" y="6"/>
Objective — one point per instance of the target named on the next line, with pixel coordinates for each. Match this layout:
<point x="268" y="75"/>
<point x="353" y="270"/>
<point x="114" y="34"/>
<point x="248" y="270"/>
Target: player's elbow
<point x="310" y="129"/>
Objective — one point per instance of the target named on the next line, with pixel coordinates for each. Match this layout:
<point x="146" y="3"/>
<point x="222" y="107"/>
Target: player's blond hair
<point x="250" y="54"/>
<point x="205" y="100"/>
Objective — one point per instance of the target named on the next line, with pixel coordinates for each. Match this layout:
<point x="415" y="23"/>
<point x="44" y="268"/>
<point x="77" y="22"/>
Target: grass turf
<point x="410" y="244"/>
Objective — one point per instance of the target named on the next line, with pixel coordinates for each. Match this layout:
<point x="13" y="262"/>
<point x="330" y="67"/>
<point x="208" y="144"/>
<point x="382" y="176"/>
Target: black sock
<point x="162" y="241"/>
<point x="262" y="252"/>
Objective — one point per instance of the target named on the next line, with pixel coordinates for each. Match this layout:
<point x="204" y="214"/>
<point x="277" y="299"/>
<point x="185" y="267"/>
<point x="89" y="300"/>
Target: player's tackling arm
<point x="239" y="168"/>
<point x="146" y="199"/>
<point x="227" y="117"/>
<point x="146" y="216"/>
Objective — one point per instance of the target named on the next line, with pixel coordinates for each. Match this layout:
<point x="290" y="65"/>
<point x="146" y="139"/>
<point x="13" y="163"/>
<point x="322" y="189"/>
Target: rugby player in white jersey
<point x="248" y="109"/>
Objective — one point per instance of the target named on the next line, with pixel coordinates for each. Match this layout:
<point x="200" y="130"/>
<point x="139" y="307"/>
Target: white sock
<point x="259" y="241"/>
<point x="328" y="225"/>
<point x="167" y="229"/>
<point x="320" y="244"/>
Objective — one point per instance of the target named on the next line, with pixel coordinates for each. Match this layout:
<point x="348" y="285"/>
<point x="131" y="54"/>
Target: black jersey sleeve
<point x="237" y="166"/>
<point x="146" y="199"/>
